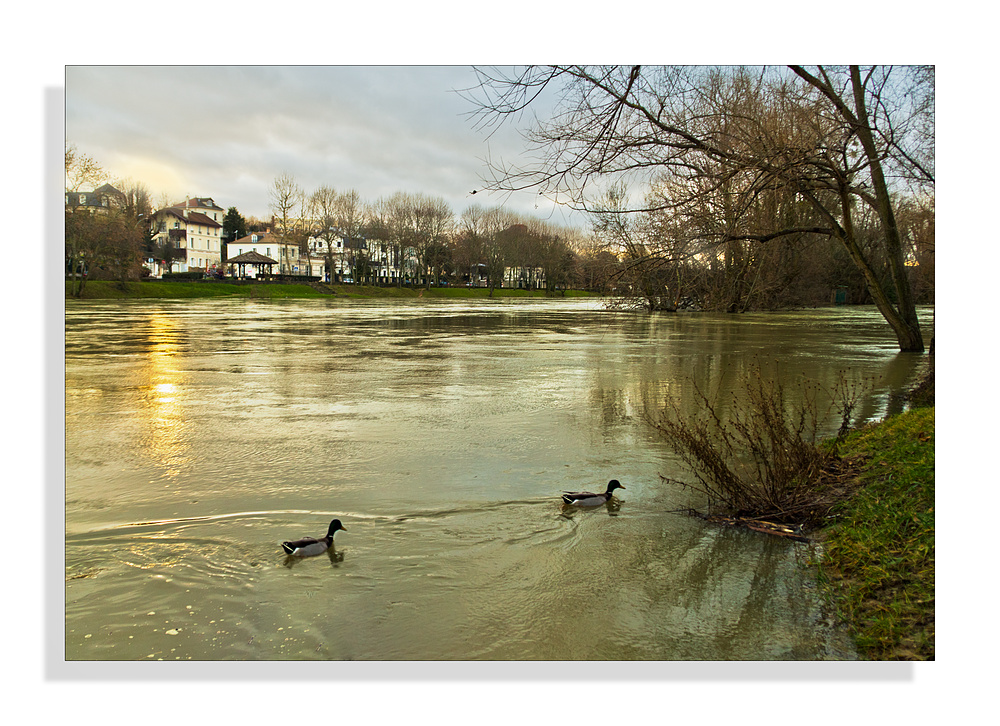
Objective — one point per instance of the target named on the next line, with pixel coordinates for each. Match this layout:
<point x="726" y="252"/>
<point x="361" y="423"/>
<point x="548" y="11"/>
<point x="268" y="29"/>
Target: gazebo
<point x="254" y="258"/>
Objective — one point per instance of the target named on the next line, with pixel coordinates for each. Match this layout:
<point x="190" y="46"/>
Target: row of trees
<point x="418" y="237"/>
<point x="656" y="257"/>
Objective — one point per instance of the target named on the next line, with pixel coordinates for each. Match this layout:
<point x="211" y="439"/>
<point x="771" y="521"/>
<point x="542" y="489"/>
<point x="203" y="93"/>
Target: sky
<point x="227" y="132"/>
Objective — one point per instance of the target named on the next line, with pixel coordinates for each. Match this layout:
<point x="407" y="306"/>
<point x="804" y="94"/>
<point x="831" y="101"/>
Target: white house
<point x="336" y="250"/>
<point x="188" y="235"/>
<point x="265" y="243"/>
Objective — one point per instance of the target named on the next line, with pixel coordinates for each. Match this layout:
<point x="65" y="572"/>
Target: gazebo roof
<point x="253" y="258"/>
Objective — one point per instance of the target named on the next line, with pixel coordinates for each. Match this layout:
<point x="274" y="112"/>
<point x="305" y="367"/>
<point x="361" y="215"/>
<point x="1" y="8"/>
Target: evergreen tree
<point x="234" y="226"/>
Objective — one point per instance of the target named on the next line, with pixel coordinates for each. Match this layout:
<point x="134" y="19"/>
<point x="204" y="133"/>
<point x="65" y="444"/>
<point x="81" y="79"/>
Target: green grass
<point x="99" y="290"/>
<point x="878" y="560"/>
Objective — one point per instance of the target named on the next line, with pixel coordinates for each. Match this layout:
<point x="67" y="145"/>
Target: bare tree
<point x="470" y="241"/>
<point x="82" y="171"/>
<point x="138" y="202"/>
<point x="339" y="218"/>
<point x="497" y="247"/>
<point x="349" y="218"/>
<point x="481" y="242"/>
<point x="382" y="226"/>
<point x="835" y="140"/>
<point x="322" y="207"/>
<point x="285" y="196"/>
<point x="138" y="205"/>
<point x="418" y="228"/>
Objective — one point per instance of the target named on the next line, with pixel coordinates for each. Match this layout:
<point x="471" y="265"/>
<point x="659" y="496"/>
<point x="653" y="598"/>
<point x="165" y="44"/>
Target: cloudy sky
<point x="227" y="132"/>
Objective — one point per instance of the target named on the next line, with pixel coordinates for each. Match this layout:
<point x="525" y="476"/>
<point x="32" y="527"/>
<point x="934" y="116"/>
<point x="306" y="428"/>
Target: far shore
<point x="159" y="289"/>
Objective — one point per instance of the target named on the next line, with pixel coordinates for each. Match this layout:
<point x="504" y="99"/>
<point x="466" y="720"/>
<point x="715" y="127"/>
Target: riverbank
<point x="878" y="554"/>
<point x="158" y="289"/>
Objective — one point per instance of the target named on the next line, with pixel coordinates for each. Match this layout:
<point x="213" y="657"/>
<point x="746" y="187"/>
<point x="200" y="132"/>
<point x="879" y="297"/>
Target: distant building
<point x="103" y="199"/>
<point x="266" y="244"/>
<point x="188" y="236"/>
<point x="332" y="255"/>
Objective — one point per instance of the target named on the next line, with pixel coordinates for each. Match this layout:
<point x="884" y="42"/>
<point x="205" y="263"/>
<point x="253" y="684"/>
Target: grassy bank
<point x="96" y="290"/>
<point x="878" y="560"/>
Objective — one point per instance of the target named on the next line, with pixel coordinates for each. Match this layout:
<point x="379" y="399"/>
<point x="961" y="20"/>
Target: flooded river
<point x="202" y="433"/>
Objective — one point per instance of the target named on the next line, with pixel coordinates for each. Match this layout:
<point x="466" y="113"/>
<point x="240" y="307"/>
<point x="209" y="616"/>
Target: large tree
<point x="845" y="142"/>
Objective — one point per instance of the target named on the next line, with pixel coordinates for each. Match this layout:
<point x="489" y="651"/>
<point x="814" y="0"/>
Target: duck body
<point x="310" y="546"/>
<point x="590" y="499"/>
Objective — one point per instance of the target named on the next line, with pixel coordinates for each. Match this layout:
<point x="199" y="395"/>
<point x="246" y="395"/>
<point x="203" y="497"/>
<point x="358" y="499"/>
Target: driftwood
<point x="757" y="525"/>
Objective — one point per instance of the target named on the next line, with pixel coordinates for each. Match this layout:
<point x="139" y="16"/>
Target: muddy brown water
<point x="201" y="433"/>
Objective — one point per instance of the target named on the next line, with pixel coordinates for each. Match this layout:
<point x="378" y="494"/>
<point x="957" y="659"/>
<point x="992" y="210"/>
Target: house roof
<point x="108" y="189"/>
<point x="252" y="257"/>
<point x="192" y="217"/>
<point x="204" y="202"/>
<point x="248" y="240"/>
<point x="263" y="238"/>
<point x="96" y="198"/>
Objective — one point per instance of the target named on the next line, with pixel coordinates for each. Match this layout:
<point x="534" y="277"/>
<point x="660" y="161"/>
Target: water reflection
<point x="610" y="507"/>
<point x="161" y="414"/>
<point x="334" y="556"/>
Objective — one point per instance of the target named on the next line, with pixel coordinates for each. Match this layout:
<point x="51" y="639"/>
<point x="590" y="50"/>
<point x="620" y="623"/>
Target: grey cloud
<point x="227" y="132"/>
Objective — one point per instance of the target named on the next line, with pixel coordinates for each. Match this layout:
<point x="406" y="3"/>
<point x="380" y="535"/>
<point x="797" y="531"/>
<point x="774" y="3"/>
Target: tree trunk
<point x="905" y="322"/>
<point x="907" y="335"/>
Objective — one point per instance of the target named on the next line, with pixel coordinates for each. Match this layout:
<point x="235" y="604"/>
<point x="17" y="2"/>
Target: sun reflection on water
<point x="165" y="437"/>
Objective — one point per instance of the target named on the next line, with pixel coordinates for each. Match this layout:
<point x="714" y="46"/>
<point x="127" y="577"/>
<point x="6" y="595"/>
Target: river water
<point x="202" y="433"/>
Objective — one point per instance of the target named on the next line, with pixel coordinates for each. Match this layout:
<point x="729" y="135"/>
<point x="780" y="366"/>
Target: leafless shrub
<point x="760" y="456"/>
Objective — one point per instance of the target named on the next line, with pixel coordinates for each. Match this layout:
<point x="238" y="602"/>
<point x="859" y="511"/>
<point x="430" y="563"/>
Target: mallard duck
<point x="589" y="499"/>
<point x="309" y="546"/>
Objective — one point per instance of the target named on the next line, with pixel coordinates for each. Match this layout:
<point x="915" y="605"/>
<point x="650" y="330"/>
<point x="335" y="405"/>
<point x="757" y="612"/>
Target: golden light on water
<point x="165" y="439"/>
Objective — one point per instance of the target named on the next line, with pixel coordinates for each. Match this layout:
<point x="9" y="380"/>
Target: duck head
<point x="614" y="484"/>
<point x="335" y="525"/>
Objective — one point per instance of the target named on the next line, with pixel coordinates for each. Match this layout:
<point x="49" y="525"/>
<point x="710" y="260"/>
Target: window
<point x="83" y="199"/>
